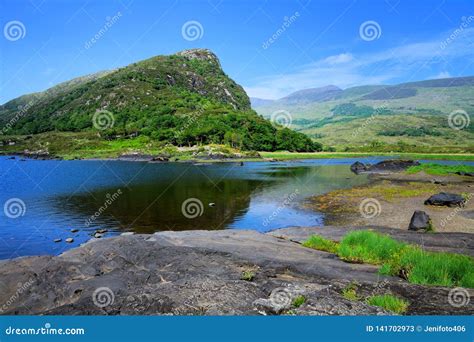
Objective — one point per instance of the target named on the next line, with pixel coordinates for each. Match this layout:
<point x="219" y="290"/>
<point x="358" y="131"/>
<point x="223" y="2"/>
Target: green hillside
<point x="410" y="117"/>
<point x="181" y="100"/>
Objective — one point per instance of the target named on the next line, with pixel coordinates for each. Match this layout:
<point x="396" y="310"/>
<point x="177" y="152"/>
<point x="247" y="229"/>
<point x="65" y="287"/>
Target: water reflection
<point x="61" y="196"/>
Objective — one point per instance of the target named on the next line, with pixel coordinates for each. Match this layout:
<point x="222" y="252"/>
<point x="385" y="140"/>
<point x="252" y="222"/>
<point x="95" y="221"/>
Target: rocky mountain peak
<point x="200" y="54"/>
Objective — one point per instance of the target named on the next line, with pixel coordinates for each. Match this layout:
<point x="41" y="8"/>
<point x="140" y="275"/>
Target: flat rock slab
<point x="200" y="272"/>
<point x="266" y="250"/>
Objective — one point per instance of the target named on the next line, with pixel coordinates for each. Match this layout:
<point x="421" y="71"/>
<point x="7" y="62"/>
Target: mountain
<point x="257" y="102"/>
<point x="300" y="97"/>
<point x="311" y="95"/>
<point x="181" y="100"/>
<point x="414" y="116"/>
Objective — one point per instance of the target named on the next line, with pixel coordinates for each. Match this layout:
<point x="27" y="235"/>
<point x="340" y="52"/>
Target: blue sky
<point x="323" y="42"/>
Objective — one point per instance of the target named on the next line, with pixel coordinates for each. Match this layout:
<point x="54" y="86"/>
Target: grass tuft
<point x="389" y="302"/>
<point x="368" y="247"/>
<point x="247" y="275"/>
<point x="350" y="292"/>
<point x="400" y="259"/>
<point x="298" y="301"/>
<point x="321" y="244"/>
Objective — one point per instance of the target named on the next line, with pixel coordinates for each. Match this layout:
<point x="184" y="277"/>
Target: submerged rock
<point x="420" y="221"/>
<point x="358" y="167"/>
<point x="446" y="199"/>
<point x="391" y="165"/>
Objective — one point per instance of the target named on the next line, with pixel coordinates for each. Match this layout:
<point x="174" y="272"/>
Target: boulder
<point x="467" y="174"/>
<point x="359" y="167"/>
<point x="420" y="220"/>
<point x="446" y="199"/>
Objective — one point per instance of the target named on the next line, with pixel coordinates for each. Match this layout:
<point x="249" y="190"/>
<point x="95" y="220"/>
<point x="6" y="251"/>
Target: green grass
<point x="440" y="170"/>
<point x="285" y="155"/>
<point x="298" y="301"/>
<point x="389" y="302"/>
<point x="350" y="292"/>
<point x="400" y="259"/>
<point x="322" y="244"/>
<point x="368" y="247"/>
<point x="247" y="275"/>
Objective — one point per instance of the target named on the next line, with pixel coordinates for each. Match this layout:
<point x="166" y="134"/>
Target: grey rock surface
<point x="200" y="272"/>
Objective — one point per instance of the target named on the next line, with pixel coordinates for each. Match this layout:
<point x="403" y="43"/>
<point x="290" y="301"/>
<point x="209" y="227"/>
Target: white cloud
<point x="339" y="59"/>
<point x="443" y="74"/>
<point x="410" y="62"/>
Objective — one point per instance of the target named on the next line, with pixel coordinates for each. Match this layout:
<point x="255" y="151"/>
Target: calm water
<point x="144" y="197"/>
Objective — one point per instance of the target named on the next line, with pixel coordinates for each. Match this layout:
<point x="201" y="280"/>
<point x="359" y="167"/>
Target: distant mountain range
<point x="412" y="116"/>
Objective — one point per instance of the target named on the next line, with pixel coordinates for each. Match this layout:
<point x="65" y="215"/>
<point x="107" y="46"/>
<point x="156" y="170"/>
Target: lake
<point x="45" y="200"/>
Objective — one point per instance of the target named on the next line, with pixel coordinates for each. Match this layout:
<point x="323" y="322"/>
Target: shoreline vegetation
<point x="407" y="261"/>
<point x="70" y="146"/>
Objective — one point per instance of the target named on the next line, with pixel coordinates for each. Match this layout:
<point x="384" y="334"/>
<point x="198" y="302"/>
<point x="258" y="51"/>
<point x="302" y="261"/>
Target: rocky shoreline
<point x="241" y="272"/>
<point x="230" y="272"/>
<point x="391" y="198"/>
